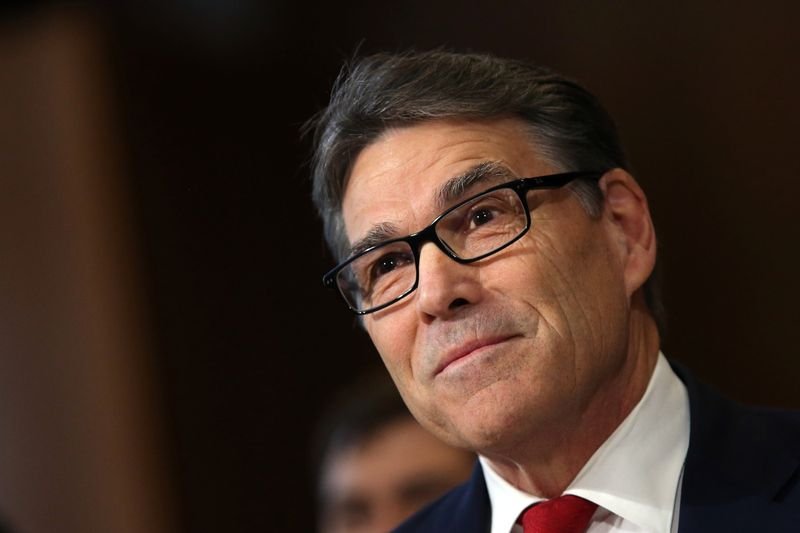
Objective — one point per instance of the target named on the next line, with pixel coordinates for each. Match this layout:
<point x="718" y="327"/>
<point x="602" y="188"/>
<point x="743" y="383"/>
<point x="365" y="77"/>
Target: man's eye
<point x="387" y="263"/>
<point x="479" y="217"/>
<point x="384" y="265"/>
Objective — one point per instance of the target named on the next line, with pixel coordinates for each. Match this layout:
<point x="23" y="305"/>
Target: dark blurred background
<point x="165" y="343"/>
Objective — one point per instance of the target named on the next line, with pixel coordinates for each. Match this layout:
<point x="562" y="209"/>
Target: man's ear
<point x="627" y="211"/>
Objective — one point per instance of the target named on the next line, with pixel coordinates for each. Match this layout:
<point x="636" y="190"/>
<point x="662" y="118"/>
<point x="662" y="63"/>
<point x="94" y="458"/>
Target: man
<point x="501" y="258"/>
<point x="378" y="465"/>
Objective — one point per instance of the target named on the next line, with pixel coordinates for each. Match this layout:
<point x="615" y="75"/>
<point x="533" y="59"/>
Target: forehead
<point x="394" y="180"/>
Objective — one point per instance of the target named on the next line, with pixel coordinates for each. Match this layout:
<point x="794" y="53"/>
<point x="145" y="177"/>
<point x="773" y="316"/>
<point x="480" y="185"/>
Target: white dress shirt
<point x="634" y="477"/>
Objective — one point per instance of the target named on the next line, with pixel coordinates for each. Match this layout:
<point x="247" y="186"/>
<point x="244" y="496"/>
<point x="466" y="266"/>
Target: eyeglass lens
<point x="473" y="229"/>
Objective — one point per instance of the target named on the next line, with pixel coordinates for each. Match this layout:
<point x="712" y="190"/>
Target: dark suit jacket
<point x="741" y="474"/>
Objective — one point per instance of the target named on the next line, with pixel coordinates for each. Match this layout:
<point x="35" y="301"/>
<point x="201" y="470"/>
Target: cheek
<point x="393" y="336"/>
<point x="395" y="339"/>
<point x="570" y="278"/>
<point x="537" y="275"/>
<point x="588" y="285"/>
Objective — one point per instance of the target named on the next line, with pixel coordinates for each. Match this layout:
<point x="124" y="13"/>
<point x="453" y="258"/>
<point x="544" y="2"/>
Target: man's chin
<point x="487" y="429"/>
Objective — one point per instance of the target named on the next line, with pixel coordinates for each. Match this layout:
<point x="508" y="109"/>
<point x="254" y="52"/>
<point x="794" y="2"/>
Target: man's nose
<point x="445" y="285"/>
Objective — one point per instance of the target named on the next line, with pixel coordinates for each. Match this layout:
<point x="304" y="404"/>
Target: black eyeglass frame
<point x="428" y="234"/>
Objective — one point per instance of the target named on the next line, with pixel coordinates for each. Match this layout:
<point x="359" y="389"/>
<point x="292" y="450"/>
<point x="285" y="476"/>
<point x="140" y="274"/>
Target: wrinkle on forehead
<point x="393" y="161"/>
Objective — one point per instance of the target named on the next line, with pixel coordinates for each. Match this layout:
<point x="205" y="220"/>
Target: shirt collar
<point x="634" y="474"/>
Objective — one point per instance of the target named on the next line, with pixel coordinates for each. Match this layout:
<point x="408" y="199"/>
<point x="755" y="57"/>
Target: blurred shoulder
<point x="465" y="509"/>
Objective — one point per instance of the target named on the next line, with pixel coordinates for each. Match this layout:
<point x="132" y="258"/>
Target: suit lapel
<point x="465" y="509"/>
<point x="739" y="466"/>
<point x="473" y="513"/>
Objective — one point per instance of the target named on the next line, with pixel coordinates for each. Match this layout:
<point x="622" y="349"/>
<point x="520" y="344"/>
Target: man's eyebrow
<point x="450" y="191"/>
<point x="376" y="235"/>
<point x="455" y="187"/>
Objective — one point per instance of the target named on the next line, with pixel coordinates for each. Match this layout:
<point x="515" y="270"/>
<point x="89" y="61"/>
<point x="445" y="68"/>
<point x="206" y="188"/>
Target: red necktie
<point x="565" y="514"/>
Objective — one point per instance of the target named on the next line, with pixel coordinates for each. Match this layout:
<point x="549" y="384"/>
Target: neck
<point x="546" y="463"/>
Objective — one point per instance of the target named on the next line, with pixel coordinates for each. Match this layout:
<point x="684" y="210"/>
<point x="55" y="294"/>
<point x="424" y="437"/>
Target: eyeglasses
<point x="476" y="228"/>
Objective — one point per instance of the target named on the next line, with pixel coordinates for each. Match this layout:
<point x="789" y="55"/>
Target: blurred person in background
<point x="377" y="465"/>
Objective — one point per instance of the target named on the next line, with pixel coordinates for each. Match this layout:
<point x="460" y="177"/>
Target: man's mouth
<point x="468" y="350"/>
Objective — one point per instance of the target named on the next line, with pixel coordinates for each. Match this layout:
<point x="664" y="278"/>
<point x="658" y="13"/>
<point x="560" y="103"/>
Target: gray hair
<point x="567" y="124"/>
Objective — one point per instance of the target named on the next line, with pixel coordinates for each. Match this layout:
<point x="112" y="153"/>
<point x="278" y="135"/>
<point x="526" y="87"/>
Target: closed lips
<point x="466" y="349"/>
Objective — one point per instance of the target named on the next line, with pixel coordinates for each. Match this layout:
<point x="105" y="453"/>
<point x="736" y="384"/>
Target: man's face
<point x="518" y="344"/>
<point x="374" y="485"/>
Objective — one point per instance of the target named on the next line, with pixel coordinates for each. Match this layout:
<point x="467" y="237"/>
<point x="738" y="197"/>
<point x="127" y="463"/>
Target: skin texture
<point x="373" y="486"/>
<point x="533" y="356"/>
